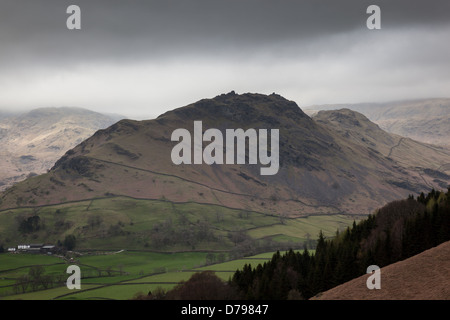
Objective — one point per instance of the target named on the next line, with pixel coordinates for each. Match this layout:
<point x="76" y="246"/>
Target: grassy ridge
<point x="127" y="223"/>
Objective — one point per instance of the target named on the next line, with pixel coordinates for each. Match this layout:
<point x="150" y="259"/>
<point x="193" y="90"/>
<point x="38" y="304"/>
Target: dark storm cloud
<point x="139" y="29"/>
<point x="139" y="52"/>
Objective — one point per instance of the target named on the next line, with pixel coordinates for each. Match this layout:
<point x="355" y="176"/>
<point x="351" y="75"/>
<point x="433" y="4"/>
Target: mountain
<point x="425" y="120"/>
<point x="31" y="142"/>
<point x="424" y="161"/>
<point x="421" y="277"/>
<point x="322" y="171"/>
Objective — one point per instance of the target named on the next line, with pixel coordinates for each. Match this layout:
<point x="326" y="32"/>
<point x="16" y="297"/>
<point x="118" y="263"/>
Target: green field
<point x="125" y="245"/>
<point x="157" y="225"/>
<point x="122" y="275"/>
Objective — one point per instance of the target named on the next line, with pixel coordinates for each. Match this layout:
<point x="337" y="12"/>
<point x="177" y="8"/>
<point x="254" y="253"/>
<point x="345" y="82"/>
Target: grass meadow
<point x="117" y="276"/>
<point x="128" y="246"/>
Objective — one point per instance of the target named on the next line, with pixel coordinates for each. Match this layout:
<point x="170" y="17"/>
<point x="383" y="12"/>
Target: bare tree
<point x="35" y="276"/>
<point x="22" y="282"/>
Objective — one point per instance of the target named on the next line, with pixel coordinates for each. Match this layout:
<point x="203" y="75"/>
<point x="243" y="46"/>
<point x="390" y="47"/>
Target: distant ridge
<point x="424" y="120"/>
<point x="31" y="142"/>
<point x="417" y="155"/>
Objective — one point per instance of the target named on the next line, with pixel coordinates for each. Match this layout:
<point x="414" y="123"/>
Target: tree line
<point x="395" y="232"/>
<point x="37" y="279"/>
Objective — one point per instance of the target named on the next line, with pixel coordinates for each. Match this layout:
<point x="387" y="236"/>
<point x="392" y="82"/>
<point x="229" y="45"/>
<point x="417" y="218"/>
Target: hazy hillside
<point x="421" y="277"/>
<point x="321" y="170"/>
<point x="31" y="142"/>
<point x="425" y="120"/>
<point x="429" y="162"/>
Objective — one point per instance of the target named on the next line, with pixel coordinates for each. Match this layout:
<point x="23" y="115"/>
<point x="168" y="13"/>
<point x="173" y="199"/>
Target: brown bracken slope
<point x="425" y="276"/>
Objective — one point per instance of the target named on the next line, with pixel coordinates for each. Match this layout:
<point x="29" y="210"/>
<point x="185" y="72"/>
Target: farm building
<point x="36" y="248"/>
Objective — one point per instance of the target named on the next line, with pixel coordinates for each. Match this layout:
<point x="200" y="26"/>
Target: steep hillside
<point x="426" y="161"/>
<point x="31" y="142"/>
<point x="321" y="171"/>
<point x="421" y="277"/>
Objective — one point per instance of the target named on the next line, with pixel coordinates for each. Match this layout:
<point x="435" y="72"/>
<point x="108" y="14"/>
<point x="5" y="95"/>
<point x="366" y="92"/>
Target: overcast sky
<point x="142" y="58"/>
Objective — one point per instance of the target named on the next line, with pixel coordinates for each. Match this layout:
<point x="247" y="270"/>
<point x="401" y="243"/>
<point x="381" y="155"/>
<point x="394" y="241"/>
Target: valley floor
<point x="118" y="276"/>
